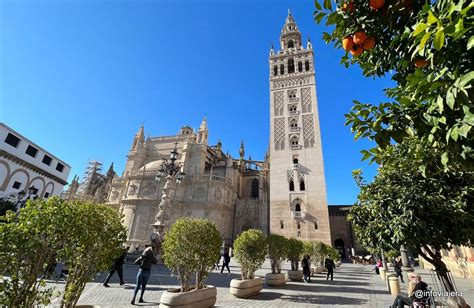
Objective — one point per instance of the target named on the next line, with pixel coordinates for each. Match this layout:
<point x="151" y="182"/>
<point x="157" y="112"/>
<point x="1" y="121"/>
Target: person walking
<point x="117" y="267"/>
<point x="306" y="269"/>
<point x="398" y="269"/>
<point x="329" y="264"/>
<point x="145" y="261"/>
<point x="226" y="261"/>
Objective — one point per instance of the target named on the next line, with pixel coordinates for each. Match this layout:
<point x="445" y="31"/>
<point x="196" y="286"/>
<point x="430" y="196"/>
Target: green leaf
<point x="464" y="130"/>
<point x="468" y="116"/>
<point x="470" y="43"/>
<point x="327" y="5"/>
<point x="439" y="101"/>
<point x="317" y="5"/>
<point x="420" y="28"/>
<point x="439" y="39"/>
<point x="431" y="18"/>
<point x="365" y="154"/>
<point x="465" y="79"/>
<point x="444" y="158"/>
<point x="319" y="17"/>
<point x="458" y="29"/>
<point x="465" y="10"/>
<point x="423" y="41"/>
<point x="454" y="133"/>
<point x="450" y="98"/>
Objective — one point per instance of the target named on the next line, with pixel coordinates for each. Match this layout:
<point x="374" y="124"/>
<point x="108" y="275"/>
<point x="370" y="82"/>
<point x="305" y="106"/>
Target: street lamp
<point x="171" y="172"/>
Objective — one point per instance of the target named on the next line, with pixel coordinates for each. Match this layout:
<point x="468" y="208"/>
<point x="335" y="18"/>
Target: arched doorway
<point x="339" y="245"/>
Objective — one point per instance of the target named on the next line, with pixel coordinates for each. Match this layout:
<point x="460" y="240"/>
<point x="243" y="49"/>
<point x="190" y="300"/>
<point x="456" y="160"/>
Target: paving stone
<point x="354" y="285"/>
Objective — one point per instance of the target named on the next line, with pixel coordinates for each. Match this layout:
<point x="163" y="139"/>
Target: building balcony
<point x="294" y="112"/>
<point x="298" y="215"/>
<point x="295" y="146"/>
<point x="295" y="129"/>
<point x="293" y="99"/>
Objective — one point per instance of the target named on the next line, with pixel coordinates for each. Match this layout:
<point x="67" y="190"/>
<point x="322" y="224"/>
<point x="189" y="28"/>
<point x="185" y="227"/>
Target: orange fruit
<point x="369" y="43"/>
<point x="377" y="4"/>
<point x="359" y="37"/>
<point x="347" y="43"/>
<point x="348" y="6"/>
<point x="357" y="51"/>
<point x="420" y="63"/>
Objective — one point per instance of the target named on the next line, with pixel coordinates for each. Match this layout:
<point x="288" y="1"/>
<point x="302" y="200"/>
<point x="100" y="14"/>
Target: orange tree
<point x="427" y="48"/>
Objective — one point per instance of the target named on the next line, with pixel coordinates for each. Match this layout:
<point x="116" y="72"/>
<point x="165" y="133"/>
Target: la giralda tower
<point x="298" y="206"/>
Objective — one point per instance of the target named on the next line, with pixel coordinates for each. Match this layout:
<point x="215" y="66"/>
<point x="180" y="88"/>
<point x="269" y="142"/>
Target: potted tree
<point x="295" y="250"/>
<point x="277" y="251"/>
<point x="191" y="247"/>
<point x="249" y="250"/>
<point x="320" y="251"/>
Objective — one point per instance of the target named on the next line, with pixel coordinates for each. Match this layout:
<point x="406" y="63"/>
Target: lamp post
<point x="21" y="201"/>
<point x="171" y="172"/>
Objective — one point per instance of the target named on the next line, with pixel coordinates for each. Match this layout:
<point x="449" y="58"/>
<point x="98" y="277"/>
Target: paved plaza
<point x="354" y="285"/>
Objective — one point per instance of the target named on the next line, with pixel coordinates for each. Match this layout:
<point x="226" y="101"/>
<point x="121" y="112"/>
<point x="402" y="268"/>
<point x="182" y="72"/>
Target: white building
<point x="24" y="165"/>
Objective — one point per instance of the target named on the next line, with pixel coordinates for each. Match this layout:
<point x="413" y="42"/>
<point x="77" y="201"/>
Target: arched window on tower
<point x="292" y="185"/>
<point x="275" y="70"/>
<point x="302" y="187"/>
<point x="306" y="65"/>
<point x="255" y="188"/>
<point x="291" y="66"/>
<point x="300" y="66"/>
<point x="293" y="123"/>
<point x="282" y="69"/>
<point x="297" y="207"/>
<point x="291" y="44"/>
<point x="294" y="141"/>
<point x="315" y="225"/>
<point x="298" y="225"/>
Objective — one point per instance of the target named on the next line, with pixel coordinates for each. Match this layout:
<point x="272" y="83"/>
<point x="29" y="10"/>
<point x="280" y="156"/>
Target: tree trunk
<point x="435" y="259"/>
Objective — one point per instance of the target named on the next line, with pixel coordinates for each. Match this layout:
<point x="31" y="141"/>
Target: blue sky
<point x="78" y="77"/>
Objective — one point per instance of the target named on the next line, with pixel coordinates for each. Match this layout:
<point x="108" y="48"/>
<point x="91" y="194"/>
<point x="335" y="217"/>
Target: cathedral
<point x="283" y="194"/>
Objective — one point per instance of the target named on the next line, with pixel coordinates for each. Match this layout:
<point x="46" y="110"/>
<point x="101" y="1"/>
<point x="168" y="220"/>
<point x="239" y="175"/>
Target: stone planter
<point x="275" y="280"/>
<point x="317" y="269"/>
<point x="295" y="275"/>
<point x="202" y="298"/>
<point x="246" y="288"/>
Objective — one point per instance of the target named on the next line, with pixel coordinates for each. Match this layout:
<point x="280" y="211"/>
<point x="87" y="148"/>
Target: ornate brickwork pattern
<point x="278" y="102"/>
<point x="308" y="130"/>
<point x="291" y="175"/>
<point x="279" y="129"/>
<point x="291" y="82"/>
<point x="306" y="99"/>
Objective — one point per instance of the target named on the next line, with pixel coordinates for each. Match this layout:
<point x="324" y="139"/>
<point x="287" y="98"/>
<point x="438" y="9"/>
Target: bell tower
<point x="298" y="205"/>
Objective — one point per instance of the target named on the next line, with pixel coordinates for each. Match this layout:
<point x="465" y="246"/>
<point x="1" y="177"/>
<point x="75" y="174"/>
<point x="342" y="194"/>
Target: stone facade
<point x="285" y="193"/>
<point x="25" y="165"/>
<point x="298" y="206"/>
<point x="229" y="192"/>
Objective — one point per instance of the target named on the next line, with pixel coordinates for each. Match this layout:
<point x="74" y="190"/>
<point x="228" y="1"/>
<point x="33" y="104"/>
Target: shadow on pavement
<point x="323" y="300"/>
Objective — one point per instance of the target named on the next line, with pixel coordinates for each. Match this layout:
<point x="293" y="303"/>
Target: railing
<point x="208" y="177"/>
<point x="293" y="99"/>
<point x="294" y="112"/>
<point x="169" y="138"/>
<point x="298" y="214"/>
<point x="295" y="129"/>
<point x="295" y="146"/>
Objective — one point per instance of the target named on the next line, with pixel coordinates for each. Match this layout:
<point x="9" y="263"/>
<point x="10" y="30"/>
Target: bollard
<point x="394" y="286"/>
<point x="382" y="272"/>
